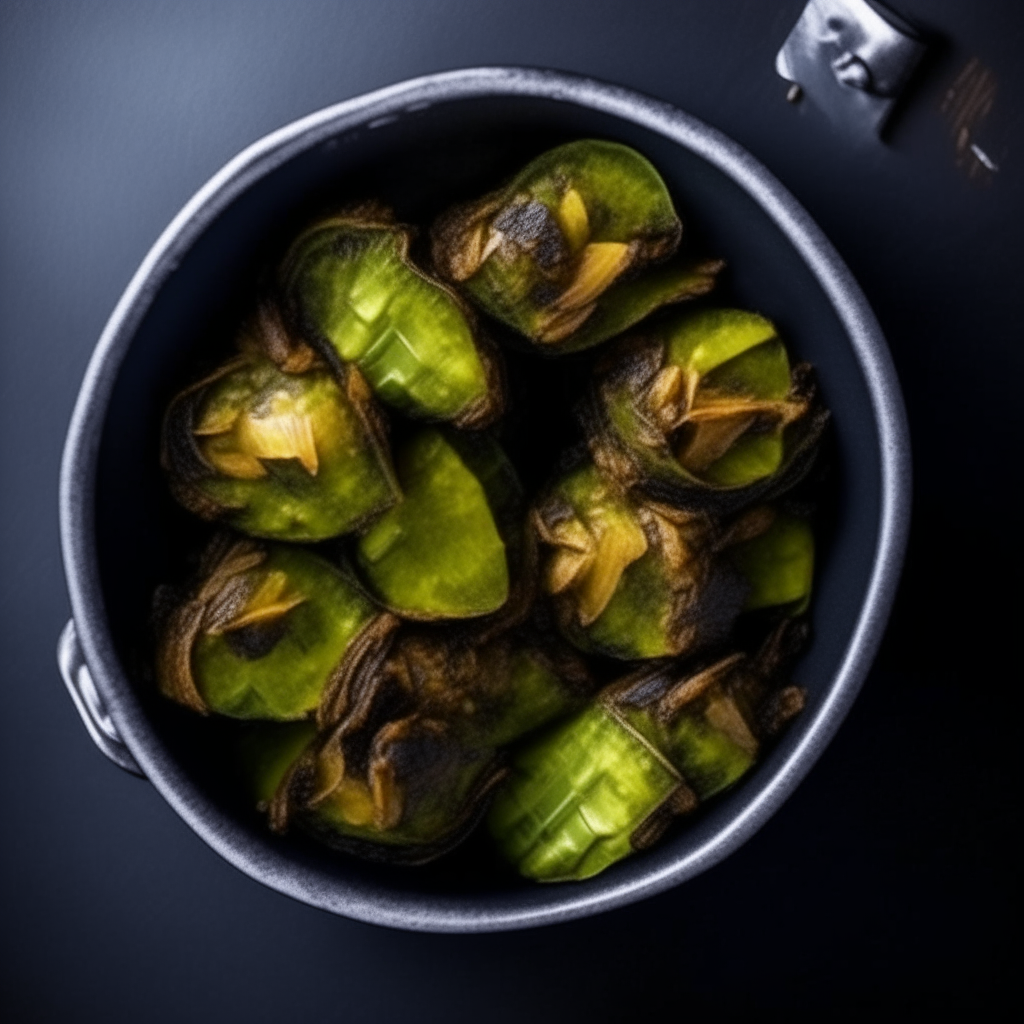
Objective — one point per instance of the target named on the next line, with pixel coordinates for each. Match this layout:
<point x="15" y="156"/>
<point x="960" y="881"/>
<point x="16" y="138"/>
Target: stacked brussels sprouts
<point x="418" y="643"/>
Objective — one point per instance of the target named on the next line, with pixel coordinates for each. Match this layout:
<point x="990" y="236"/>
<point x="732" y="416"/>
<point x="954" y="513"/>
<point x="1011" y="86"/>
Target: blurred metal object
<point x="851" y="58"/>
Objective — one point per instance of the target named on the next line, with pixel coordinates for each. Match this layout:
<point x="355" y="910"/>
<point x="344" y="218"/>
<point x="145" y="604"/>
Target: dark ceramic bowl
<point x="420" y="145"/>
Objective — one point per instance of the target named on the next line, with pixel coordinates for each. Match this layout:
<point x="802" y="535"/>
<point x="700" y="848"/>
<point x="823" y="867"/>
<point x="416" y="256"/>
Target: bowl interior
<point x="419" y="162"/>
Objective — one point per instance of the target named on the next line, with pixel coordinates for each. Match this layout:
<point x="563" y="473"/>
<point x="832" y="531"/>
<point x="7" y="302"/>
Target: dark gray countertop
<point x="880" y="887"/>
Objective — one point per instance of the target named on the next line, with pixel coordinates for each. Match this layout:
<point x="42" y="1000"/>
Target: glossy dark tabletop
<point x="882" y="888"/>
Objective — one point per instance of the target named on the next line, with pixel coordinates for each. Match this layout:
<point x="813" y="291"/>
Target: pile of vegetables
<point x="420" y="643"/>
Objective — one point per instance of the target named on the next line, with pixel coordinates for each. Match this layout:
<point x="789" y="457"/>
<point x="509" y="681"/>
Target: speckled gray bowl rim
<point x="78" y="483"/>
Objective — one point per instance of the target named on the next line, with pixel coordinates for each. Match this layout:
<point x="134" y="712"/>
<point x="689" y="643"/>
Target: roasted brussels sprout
<point x="263" y="633"/>
<point x="453" y="547"/>
<point x="350" y="288"/>
<point x="705" y="412"/>
<point x="652" y="746"/>
<point x="556" y="254"/>
<point x="276" y="445"/>
<point x="420" y="718"/>
<point x="632" y="578"/>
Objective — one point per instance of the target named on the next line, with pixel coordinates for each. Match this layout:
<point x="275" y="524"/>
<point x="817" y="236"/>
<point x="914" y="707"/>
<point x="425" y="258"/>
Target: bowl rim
<point x="380" y="107"/>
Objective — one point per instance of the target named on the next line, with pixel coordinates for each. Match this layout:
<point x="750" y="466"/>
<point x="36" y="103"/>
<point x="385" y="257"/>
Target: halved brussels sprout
<point x="349" y="286"/>
<point x="556" y="253"/>
<point x="264" y="632"/>
<point x="705" y="412"/>
<point x="631" y="579"/>
<point x="274" y="444"/>
<point x="404" y="774"/>
<point x="452" y="547"/>
<point x="653" y="746"/>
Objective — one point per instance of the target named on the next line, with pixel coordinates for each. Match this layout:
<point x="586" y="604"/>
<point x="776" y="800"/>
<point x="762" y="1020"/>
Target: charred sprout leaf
<point x="489" y="689"/>
<point x="277" y="454"/>
<point x="262" y="634"/>
<point x="405" y="772"/>
<point x="706" y="412"/>
<point x="415" y="794"/>
<point x="652" y="746"/>
<point x="349" y="285"/>
<point x="556" y="253"/>
<point x="449" y="548"/>
<point x="631" y="579"/>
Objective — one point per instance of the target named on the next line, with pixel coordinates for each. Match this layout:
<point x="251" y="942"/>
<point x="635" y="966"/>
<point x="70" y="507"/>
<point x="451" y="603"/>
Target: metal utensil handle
<point x="89" y="703"/>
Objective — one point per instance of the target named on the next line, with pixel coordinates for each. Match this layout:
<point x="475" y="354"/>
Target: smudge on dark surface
<point x="966" y="104"/>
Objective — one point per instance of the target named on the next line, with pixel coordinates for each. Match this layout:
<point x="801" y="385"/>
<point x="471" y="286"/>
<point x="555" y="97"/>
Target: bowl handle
<point x="89" y="703"/>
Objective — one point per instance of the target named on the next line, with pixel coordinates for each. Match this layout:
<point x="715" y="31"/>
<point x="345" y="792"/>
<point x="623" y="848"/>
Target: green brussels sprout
<point x="405" y="773"/>
<point x="352" y="291"/>
<point x="453" y="547"/>
<point x="705" y="412"/>
<point x="609" y="781"/>
<point x="263" y="633"/>
<point x="631" y="579"/>
<point x="276" y="445"/>
<point x="558" y="253"/>
<point x="636" y="579"/>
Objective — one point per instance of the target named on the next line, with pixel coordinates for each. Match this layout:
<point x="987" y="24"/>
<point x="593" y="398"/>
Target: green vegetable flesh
<point x="624" y="196"/>
<point x="778" y="565"/>
<point x="535" y="695"/>
<point x="708" y="758"/>
<point x="353" y="286"/>
<point x="278" y="668"/>
<point x="608" y="781"/>
<point x="439" y="553"/>
<point x="637" y="623"/>
<point x="628" y="302"/>
<point x="577" y="795"/>
<point x="268" y="752"/>
<point x="414" y="751"/>
<point x="297" y="459"/>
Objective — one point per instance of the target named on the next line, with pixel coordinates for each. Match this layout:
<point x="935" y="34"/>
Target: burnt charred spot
<point x="523" y="223"/>
<point x="719" y="605"/>
<point x="257" y="640"/>
<point x="551" y="252"/>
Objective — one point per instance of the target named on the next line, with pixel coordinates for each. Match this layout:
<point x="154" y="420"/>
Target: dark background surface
<point x="883" y="888"/>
